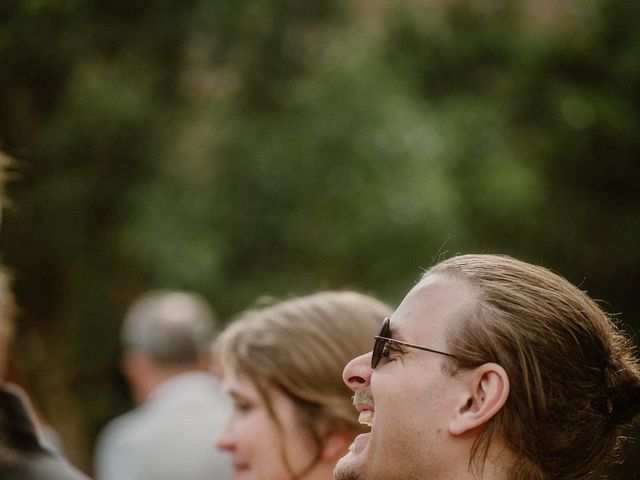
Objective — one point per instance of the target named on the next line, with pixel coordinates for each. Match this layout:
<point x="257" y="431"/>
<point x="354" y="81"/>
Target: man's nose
<point x="357" y="373"/>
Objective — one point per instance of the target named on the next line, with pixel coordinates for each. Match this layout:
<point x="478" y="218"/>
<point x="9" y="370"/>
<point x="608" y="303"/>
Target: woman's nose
<point x="224" y="439"/>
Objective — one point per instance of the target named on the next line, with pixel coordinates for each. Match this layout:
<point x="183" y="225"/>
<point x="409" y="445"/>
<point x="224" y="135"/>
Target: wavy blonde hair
<point x="301" y="347"/>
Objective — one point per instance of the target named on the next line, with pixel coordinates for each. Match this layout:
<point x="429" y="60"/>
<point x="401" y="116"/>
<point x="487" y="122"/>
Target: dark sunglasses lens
<point x="378" y="346"/>
<point x="384" y="328"/>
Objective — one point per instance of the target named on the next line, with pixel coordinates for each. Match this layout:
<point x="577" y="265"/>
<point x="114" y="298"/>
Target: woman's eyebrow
<point x="235" y="394"/>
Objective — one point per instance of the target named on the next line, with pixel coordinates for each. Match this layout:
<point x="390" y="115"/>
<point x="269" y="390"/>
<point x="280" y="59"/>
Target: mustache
<point x="362" y="397"/>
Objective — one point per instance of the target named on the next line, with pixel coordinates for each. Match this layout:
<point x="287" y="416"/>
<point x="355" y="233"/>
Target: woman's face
<point x="253" y="439"/>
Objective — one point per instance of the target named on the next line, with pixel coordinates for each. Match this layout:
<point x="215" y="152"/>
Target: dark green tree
<point x="271" y="147"/>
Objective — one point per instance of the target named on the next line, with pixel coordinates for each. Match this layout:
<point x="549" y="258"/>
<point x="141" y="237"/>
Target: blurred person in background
<point x="492" y="368"/>
<point x="24" y="455"/>
<point x="292" y="415"/>
<point x="166" y="337"/>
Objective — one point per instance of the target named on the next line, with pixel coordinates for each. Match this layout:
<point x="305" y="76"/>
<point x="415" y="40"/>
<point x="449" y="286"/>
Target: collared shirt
<point x="171" y="436"/>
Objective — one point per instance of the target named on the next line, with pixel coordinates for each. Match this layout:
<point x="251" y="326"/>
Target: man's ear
<point x="140" y="373"/>
<point x="486" y="392"/>
<point x="134" y="365"/>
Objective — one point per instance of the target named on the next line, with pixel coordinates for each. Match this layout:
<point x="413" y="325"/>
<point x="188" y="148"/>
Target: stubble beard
<point x="345" y="468"/>
<point x="344" y="471"/>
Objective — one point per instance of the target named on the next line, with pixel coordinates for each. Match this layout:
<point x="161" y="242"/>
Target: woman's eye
<point x="242" y="407"/>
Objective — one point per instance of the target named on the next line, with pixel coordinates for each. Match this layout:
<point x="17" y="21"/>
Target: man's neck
<point x="154" y="375"/>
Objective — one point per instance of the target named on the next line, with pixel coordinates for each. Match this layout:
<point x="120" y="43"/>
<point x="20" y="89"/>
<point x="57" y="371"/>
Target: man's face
<point x="408" y="398"/>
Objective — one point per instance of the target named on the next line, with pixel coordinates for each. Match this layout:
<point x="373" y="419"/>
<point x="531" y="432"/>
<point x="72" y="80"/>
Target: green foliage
<point x="244" y="148"/>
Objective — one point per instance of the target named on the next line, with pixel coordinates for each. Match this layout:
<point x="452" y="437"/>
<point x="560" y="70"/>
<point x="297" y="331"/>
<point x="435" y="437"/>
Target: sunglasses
<point x="382" y="340"/>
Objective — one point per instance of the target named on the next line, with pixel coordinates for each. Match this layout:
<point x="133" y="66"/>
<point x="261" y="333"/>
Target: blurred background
<point x="243" y="148"/>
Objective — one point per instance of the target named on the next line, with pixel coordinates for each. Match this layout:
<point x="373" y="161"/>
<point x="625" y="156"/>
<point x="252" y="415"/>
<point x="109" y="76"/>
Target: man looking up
<point x="491" y="368"/>
<point x="170" y="435"/>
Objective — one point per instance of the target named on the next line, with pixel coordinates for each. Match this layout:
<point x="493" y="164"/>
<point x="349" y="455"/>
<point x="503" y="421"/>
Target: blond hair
<point x="574" y="380"/>
<point x="301" y="346"/>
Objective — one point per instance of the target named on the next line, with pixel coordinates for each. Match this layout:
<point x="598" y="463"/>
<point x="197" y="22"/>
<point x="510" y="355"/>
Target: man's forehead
<point x="435" y="303"/>
<point x="437" y="290"/>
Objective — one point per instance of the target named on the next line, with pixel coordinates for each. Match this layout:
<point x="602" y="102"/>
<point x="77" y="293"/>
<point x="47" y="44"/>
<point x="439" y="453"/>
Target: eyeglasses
<point x="382" y="339"/>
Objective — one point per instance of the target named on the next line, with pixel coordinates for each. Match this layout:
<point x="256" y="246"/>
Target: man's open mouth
<point x="366" y="417"/>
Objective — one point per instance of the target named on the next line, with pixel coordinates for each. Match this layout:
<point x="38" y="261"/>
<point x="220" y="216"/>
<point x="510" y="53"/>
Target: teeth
<point x="366" y="418"/>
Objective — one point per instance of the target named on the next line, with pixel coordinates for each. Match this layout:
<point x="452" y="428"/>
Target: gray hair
<point x="172" y="327"/>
